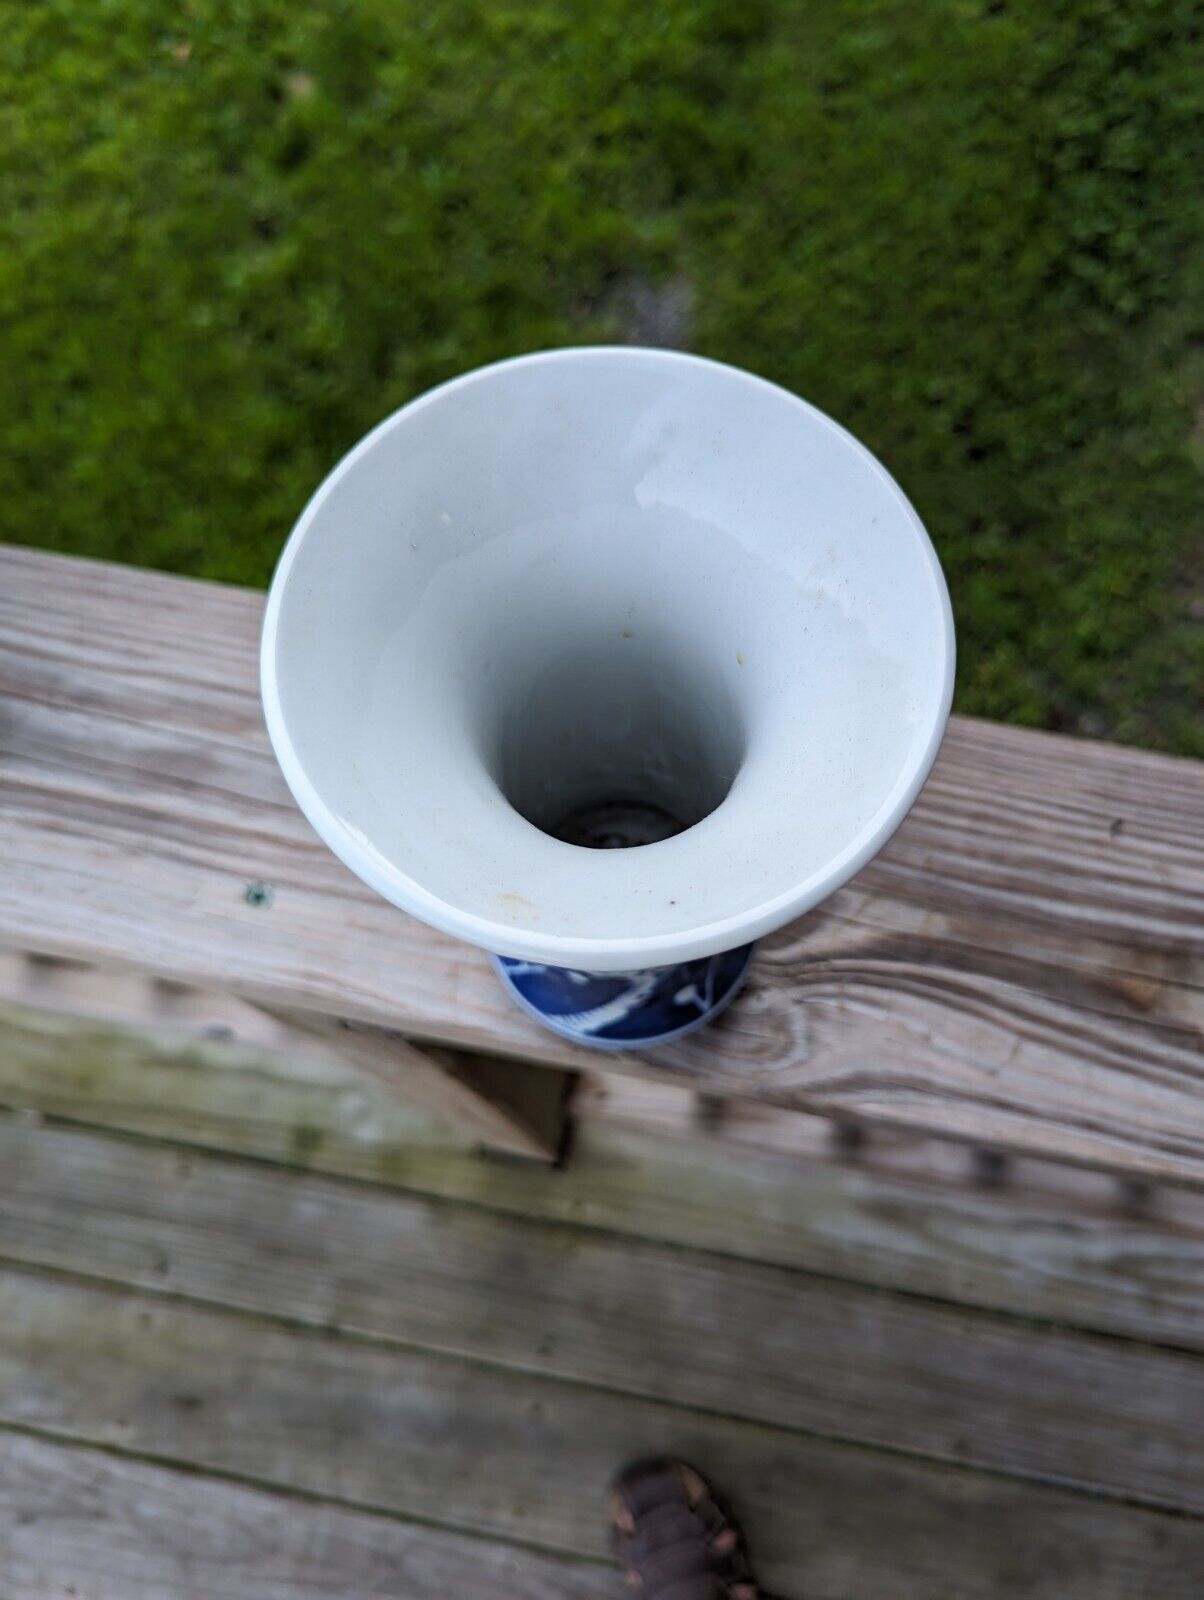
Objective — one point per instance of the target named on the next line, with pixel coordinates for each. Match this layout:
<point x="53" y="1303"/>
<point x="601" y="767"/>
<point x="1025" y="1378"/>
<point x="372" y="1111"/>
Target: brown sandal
<point x="675" y="1539"/>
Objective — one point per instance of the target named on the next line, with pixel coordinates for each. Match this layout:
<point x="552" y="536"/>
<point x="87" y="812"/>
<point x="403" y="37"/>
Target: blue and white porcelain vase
<point x="627" y="1010"/>
<point x="609" y="661"/>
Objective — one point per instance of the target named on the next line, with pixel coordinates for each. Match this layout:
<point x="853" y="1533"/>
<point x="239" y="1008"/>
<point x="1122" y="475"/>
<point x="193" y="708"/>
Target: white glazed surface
<point x="569" y="505"/>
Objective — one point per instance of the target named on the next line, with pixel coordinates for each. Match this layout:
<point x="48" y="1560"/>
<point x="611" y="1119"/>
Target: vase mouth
<point x="614" y="598"/>
<point x="618" y="742"/>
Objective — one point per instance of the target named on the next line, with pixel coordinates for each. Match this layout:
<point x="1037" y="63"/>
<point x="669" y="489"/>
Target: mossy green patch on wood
<point x="304" y="1142"/>
<point x="216" y="1094"/>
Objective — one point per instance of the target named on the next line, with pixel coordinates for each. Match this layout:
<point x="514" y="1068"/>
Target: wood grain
<point x="510" y="1107"/>
<point x="716" y="1335"/>
<point x="519" y="1109"/>
<point x="83" y="1525"/>
<point x="760" y="1183"/>
<point x="418" y="1437"/>
<point x="1021" y="967"/>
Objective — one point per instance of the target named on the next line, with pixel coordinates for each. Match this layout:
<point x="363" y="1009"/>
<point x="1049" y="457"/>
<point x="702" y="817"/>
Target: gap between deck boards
<point x="644" y="1322"/>
<point x="1044" y="1242"/>
<point x="88" y="1521"/>
<point x="366" y="1429"/>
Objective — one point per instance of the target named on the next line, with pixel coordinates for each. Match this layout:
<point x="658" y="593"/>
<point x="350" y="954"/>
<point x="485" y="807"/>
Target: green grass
<point x="235" y="235"/>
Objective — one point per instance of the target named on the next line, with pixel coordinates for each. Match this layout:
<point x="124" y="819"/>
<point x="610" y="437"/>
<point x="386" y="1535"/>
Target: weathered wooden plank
<point x="511" y="1107"/>
<point x="1021" y="967"/>
<point x="514" y="1457"/>
<point x="718" y="1335"/>
<point x="82" y="1524"/>
<point x="519" y="1110"/>
<point x="1050" y="1242"/>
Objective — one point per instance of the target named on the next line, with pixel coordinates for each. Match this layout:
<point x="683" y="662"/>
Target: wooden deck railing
<point x="1022" y="969"/>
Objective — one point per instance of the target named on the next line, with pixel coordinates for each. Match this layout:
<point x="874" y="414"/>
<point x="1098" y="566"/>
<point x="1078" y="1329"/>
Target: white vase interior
<point x="599" y="597"/>
<point x="617" y="741"/>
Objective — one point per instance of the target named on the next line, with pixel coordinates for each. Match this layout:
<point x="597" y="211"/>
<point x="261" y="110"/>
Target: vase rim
<point x="511" y="934"/>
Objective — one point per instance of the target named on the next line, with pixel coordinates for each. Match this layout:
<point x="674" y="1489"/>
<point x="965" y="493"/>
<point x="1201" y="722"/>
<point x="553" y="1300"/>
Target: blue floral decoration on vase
<point x="627" y="1010"/>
